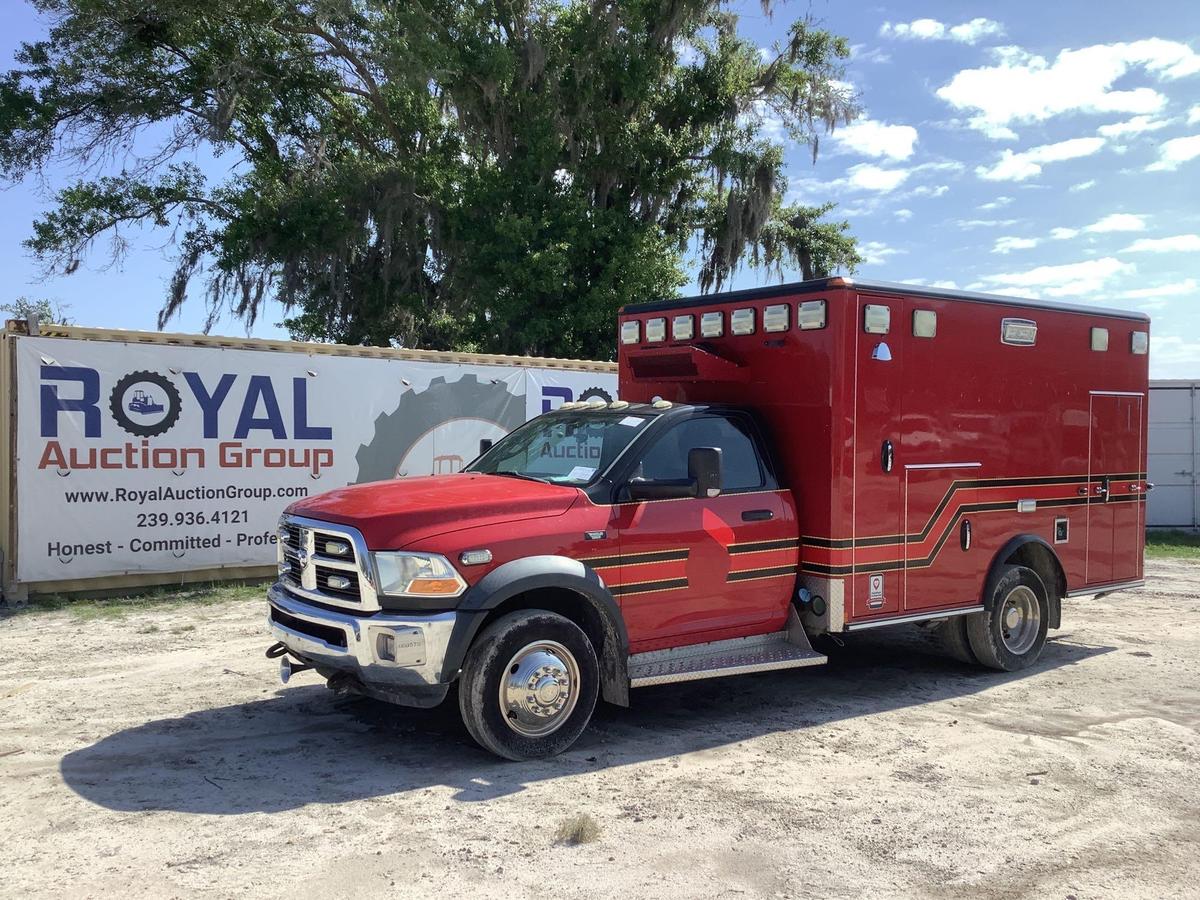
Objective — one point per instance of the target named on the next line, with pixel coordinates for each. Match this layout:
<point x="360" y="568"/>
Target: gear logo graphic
<point x="437" y="430"/>
<point x="595" y="393"/>
<point x="145" y="404"/>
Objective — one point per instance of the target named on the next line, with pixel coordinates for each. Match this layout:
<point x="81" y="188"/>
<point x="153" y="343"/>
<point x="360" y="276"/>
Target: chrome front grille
<point x="325" y="562"/>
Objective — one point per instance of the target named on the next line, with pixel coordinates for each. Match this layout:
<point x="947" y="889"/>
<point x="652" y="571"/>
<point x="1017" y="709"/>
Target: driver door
<point x="705" y="567"/>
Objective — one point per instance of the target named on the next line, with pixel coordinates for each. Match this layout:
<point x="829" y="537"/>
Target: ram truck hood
<point x="393" y="515"/>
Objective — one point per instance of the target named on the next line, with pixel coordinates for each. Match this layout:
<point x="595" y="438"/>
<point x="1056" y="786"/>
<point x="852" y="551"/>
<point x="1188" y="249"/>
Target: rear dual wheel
<point x="529" y="685"/>
<point x="1011" y="633"/>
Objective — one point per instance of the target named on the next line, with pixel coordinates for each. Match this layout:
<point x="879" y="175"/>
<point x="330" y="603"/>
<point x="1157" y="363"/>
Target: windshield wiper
<point x="520" y="475"/>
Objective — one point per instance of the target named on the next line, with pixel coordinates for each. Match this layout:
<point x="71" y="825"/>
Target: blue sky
<point x="1032" y="148"/>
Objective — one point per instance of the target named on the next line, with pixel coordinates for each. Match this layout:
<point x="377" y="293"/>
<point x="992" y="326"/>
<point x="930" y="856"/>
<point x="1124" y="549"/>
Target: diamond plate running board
<point x="741" y="656"/>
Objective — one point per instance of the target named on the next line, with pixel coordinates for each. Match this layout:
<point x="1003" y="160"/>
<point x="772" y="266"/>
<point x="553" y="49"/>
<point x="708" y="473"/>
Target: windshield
<point x="563" y="448"/>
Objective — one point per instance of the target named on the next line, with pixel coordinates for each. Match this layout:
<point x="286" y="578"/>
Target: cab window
<point x="741" y="469"/>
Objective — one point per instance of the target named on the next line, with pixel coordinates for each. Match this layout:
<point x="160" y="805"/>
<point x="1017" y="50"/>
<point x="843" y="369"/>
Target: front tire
<point x="1011" y="634"/>
<point x="529" y="685"/>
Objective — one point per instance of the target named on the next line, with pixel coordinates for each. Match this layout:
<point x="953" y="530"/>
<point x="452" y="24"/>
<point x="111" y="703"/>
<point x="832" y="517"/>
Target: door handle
<point x="887" y="456"/>
<point x="757" y="515"/>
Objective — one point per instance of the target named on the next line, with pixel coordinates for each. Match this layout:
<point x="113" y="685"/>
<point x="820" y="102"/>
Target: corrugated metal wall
<point x="1174" y="454"/>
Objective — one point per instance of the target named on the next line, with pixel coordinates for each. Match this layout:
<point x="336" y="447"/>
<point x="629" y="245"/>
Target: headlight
<point x="417" y="575"/>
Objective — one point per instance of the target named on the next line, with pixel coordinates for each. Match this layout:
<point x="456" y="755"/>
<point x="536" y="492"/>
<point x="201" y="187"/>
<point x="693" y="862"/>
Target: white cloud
<point x="1083" y="186"/>
<point x="1067" y="280"/>
<point x="1028" y="163"/>
<point x="1023" y="87"/>
<point x="1136" y="125"/>
<point x="879" y="179"/>
<point x="868" y="177"/>
<point x="945" y="285"/>
<point x="1194" y="114"/>
<point x="860" y="53"/>
<point x="926" y="190"/>
<point x="1173" y="289"/>
<point x="876" y="253"/>
<point x="933" y="30"/>
<point x="1009" y="244"/>
<point x="903" y="214"/>
<point x="996" y="204"/>
<point x="1109" y="224"/>
<point x="871" y="138"/>
<point x="1175" y="152"/>
<point x="1180" y="243"/>
<point x="1117" y="222"/>
<point x="985" y="223"/>
<point x="1173" y="357"/>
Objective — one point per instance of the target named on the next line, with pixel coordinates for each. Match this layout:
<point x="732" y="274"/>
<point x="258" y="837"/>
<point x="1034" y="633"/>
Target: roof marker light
<point x="618" y="404"/>
<point x="811" y="315"/>
<point x="877" y="319"/>
<point x="1018" y="332"/>
<point x="741" y="321"/>
<point x="661" y="404"/>
<point x="712" y="324"/>
<point x="775" y="318"/>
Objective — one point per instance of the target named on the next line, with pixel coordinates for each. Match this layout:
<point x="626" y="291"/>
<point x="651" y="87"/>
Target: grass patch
<point x="578" y="829"/>
<point x="191" y="596"/>
<point x="1173" y="544"/>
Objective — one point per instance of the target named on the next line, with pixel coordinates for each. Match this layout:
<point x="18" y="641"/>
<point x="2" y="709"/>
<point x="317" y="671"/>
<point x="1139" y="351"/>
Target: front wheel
<point x="1011" y="634"/>
<point x="529" y="685"/>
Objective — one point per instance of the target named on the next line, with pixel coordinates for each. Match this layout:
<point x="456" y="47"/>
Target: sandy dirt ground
<point x="144" y="758"/>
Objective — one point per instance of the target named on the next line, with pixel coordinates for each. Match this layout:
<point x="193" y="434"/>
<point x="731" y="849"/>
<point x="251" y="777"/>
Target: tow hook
<point x="287" y="669"/>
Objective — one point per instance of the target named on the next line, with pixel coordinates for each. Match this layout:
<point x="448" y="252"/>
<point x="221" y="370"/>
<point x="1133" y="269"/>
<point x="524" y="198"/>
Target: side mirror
<point x="704" y="469"/>
<point x="485" y="444"/>
<point x="704" y="480"/>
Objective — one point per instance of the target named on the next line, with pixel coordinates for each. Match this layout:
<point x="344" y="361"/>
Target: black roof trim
<point x="911" y="290"/>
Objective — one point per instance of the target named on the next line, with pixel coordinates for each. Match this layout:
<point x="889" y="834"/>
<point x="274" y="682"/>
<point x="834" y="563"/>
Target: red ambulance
<point x="784" y="463"/>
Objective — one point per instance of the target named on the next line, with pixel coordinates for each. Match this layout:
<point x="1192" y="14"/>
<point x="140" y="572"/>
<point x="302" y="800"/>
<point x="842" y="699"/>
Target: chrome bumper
<point x="383" y="650"/>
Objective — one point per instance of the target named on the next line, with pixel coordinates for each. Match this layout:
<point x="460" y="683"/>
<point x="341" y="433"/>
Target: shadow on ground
<point x="306" y="745"/>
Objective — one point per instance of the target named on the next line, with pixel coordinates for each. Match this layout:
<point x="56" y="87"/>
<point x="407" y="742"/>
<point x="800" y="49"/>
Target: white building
<point x="1174" y="454"/>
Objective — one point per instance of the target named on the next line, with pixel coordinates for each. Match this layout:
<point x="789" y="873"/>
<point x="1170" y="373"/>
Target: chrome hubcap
<point x="1020" y="620"/>
<point x="539" y="689"/>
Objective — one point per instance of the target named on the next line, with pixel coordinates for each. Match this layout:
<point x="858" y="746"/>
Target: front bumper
<point x="385" y="652"/>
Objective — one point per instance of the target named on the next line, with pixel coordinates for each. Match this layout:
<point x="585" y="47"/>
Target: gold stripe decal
<point x="648" y="587"/>
<point x="761" y="546"/>
<point x="754" y="574"/>
<point x="634" y="559"/>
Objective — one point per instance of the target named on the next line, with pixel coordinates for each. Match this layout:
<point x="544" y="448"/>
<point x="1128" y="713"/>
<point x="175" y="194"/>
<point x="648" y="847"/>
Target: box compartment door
<point x="877" y="581"/>
<point x="1116" y="488"/>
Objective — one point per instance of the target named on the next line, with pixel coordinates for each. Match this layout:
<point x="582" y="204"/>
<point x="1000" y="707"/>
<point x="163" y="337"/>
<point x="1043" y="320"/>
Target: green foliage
<point x="45" y="310"/>
<point x="469" y="174"/>
<point x="147" y="600"/>
<point x="1172" y="544"/>
<point x="795" y="238"/>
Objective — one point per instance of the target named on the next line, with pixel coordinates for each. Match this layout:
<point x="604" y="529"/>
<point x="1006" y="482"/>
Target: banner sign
<point x="157" y="458"/>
